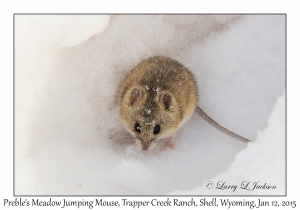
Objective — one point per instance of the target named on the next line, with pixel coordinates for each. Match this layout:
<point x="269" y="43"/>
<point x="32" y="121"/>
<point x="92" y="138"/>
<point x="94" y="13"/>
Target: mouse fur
<point x="159" y="91"/>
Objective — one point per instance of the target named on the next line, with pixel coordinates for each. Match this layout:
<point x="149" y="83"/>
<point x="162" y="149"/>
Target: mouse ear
<point x="166" y="99"/>
<point x="136" y="94"/>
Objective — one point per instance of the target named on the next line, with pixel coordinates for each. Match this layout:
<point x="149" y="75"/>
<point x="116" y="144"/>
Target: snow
<point x="261" y="169"/>
<point x="68" y="71"/>
<point x="156" y="90"/>
<point x="148" y="111"/>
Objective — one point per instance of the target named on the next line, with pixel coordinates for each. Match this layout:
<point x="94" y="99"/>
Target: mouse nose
<point x="145" y="147"/>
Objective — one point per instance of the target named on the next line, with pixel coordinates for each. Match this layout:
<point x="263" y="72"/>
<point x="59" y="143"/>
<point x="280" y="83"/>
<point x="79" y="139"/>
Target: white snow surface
<point x="254" y="176"/>
<point x="68" y="71"/>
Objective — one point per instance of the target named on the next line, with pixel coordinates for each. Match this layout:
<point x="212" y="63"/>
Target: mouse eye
<point x="137" y="127"/>
<point x="156" y="129"/>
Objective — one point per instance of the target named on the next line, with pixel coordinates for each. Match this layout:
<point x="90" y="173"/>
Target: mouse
<point x="157" y="97"/>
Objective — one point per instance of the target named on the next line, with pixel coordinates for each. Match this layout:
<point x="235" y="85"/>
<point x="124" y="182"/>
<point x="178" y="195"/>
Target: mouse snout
<point x="146" y="145"/>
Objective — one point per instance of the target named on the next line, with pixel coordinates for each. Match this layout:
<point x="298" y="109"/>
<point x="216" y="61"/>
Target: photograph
<point x="149" y="104"/>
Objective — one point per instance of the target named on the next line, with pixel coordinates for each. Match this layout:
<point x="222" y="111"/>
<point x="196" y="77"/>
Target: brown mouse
<point x="157" y="97"/>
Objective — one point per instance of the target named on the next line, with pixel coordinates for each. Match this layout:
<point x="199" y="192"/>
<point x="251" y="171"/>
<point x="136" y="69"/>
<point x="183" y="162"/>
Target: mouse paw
<point x="169" y="144"/>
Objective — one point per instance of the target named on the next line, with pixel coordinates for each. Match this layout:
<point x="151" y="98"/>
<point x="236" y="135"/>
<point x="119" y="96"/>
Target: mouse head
<point x="150" y="115"/>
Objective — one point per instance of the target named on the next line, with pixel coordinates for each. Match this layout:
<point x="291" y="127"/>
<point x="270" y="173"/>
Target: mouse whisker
<point x="138" y="143"/>
<point x="124" y="137"/>
<point x="162" y="140"/>
<point x="160" y="143"/>
<point x="152" y="145"/>
<point x="128" y="139"/>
